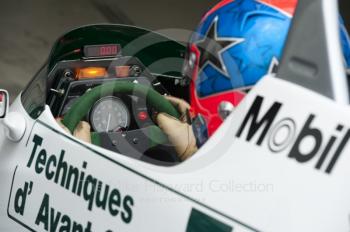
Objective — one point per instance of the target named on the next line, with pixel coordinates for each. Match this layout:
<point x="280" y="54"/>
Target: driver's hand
<point x="181" y="105"/>
<point x="180" y="133"/>
<point x="82" y="131"/>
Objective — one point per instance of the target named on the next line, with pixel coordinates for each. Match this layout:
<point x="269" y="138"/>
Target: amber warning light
<point x="100" y="51"/>
<point x="91" y="72"/>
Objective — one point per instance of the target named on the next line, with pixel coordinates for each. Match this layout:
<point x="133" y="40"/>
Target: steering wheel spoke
<point x="132" y="143"/>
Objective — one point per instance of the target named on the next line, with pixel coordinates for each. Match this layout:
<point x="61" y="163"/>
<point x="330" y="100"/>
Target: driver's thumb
<point x="82" y="132"/>
<point x="180" y="135"/>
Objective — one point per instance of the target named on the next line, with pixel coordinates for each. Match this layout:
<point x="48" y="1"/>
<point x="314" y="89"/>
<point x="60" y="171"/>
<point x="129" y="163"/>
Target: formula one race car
<point x="277" y="163"/>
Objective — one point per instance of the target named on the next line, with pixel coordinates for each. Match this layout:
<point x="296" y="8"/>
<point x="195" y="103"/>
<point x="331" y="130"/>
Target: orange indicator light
<point x="91" y="72"/>
<point x="122" y="71"/>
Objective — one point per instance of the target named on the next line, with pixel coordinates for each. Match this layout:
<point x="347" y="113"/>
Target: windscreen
<point x="161" y="55"/>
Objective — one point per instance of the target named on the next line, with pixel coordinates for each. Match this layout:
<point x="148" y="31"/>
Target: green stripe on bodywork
<point x="200" y="222"/>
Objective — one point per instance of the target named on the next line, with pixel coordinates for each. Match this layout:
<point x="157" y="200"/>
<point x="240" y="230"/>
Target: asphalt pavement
<point x="30" y="27"/>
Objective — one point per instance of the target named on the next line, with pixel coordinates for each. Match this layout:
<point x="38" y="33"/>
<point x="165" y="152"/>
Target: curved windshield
<point x="161" y="55"/>
<point x="108" y="82"/>
<point x="34" y="96"/>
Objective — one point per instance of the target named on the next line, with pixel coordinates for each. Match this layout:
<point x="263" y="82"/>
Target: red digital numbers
<point x="105" y="50"/>
<point x="108" y="50"/>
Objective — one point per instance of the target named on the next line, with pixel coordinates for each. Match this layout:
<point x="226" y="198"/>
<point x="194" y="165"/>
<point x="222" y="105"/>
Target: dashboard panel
<point x="134" y="109"/>
<point x="121" y="121"/>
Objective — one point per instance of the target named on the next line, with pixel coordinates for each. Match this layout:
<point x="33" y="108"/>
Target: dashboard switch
<point x="142" y="115"/>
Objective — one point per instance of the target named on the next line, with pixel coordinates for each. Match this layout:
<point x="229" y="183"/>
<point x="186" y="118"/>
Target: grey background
<point x="30" y="27"/>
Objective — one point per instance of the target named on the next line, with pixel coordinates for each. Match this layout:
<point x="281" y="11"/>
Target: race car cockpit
<point x="283" y="150"/>
<point x="113" y="77"/>
<point x="116" y="78"/>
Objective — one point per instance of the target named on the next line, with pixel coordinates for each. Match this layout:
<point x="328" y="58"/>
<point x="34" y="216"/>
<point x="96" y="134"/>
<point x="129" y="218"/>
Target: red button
<point x="142" y="115"/>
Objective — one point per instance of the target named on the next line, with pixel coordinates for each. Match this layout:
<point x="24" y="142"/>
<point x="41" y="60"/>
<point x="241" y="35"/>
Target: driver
<point x="236" y="43"/>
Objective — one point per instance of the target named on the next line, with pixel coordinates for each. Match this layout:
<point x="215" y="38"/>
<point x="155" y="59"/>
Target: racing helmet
<point x="236" y="43"/>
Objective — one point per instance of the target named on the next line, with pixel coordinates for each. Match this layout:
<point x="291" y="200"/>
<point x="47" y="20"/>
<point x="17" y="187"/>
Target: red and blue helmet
<point x="236" y="43"/>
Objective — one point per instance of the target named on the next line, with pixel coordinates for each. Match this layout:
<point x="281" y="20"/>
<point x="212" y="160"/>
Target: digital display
<point x="107" y="50"/>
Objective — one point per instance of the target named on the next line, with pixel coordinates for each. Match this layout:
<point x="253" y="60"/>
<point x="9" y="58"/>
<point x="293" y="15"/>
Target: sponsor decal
<point x="76" y="180"/>
<point x="264" y="127"/>
<point x="68" y="186"/>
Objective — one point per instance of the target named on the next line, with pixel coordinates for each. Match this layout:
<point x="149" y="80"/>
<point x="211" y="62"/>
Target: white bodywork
<point x="280" y="162"/>
<point x="237" y="182"/>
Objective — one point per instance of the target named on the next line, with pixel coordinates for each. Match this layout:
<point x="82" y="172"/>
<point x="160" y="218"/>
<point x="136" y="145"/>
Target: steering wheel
<point x="81" y="107"/>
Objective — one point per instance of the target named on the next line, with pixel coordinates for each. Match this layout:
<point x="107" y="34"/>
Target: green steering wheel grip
<point x="82" y="106"/>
